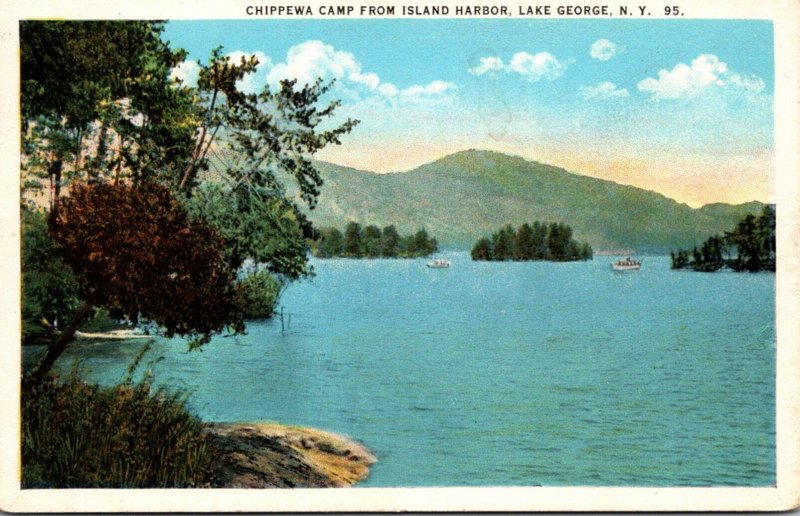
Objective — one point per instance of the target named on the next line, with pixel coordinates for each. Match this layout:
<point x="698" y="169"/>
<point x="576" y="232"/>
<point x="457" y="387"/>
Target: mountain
<point x="470" y="194"/>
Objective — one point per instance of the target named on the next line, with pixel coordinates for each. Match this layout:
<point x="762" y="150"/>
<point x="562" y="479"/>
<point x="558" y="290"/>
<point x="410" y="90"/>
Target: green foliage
<point x="423" y="244"/>
<point x="539" y="241"/>
<point x="50" y="293"/>
<point x="679" y="260"/>
<point x="99" y="107"/>
<point x="372" y="242"/>
<point x="352" y="240"/>
<point x="752" y="241"/>
<point x="257" y="293"/>
<point x="136" y="252"/>
<point x="390" y="242"/>
<point x="76" y="435"/>
<point x="330" y="243"/>
<point x="104" y="82"/>
<point x="262" y="229"/>
<point x="482" y="250"/>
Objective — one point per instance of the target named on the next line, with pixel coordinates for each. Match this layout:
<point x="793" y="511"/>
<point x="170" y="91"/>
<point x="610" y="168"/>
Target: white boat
<point x="627" y="264"/>
<point x="439" y="264"/>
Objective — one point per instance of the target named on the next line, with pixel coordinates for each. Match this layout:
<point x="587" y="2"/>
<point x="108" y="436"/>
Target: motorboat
<point x="439" y="263"/>
<point x="626" y="264"/>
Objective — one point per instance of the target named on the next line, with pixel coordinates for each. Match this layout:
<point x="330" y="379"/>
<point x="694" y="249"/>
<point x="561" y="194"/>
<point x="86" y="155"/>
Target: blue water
<point x="504" y="373"/>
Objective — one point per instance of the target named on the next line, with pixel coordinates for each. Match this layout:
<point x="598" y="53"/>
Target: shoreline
<point x="271" y="455"/>
<point x="124" y="334"/>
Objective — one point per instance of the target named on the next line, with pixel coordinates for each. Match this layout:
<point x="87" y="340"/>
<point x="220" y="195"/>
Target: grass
<point x="80" y="435"/>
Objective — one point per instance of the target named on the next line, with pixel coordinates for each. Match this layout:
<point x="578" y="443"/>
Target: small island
<point x="539" y="241"/>
<point x="749" y="247"/>
<point x="373" y="242"/>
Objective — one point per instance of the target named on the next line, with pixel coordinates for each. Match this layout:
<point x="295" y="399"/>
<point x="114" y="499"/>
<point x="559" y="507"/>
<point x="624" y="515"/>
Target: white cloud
<point x="538" y="66"/>
<point x="388" y="90"/>
<point x="533" y="67"/>
<point x="604" y="49"/>
<point x="435" y="88"/>
<point x="186" y="72"/>
<point x="603" y="90"/>
<point x="312" y="59"/>
<point x="705" y="72"/>
<point x="487" y="64"/>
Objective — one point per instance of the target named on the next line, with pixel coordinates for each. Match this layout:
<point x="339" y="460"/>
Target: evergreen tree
<point x="532" y="242"/>
<point x="408" y="246"/>
<point x="482" y="250"/>
<point x="539" y="241"/>
<point x="558" y="241"/>
<point x="748" y="246"/>
<point x="765" y="227"/>
<point x="372" y="241"/>
<point x="390" y="242"/>
<point x="710" y="255"/>
<point x="524" y="244"/>
<point x="503" y="243"/>
<point x="423" y="244"/>
<point x="753" y="240"/>
<point x="331" y="243"/>
<point x="352" y="240"/>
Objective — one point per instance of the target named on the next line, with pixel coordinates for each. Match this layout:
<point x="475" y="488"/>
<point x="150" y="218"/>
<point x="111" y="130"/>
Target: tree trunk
<point x="57" y="348"/>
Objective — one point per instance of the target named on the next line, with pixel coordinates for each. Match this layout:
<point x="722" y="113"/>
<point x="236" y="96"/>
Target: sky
<point x="681" y="107"/>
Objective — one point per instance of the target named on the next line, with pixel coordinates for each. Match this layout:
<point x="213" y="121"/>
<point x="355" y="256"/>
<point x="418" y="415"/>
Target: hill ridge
<point x="470" y="193"/>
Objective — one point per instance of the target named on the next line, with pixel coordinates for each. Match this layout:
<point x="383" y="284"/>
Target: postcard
<point x="400" y="256"/>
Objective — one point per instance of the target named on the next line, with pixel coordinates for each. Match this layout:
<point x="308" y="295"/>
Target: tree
<point x="765" y="228"/>
<point x="99" y="107"/>
<point x="748" y="246"/>
<point x="503" y="243"/>
<point x="482" y="250"/>
<point x="524" y="243"/>
<point x="559" y="237"/>
<point x="331" y="243"/>
<point x="97" y="101"/>
<point x="390" y="241"/>
<point x="424" y="245"/>
<point x="680" y="260"/>
<point x="536" y="242"/>
<point x="408" y="246"/>
<point x="754" y="241"/>
<point x="372" y="241"/>
<point x="50" y="293"/>
<point x="539" y="241"/>
<point x="137" y="253"/>
<point x="710" y="255"/>
<point x="352" y="240"/>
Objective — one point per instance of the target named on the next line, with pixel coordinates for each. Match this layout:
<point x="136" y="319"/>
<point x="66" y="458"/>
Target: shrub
<point x="80" y="435"/>
<point x="257" y="294"/>
<point x="49" y="289"/>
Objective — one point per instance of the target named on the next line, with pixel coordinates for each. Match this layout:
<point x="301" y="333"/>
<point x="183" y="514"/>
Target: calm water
<point x="504" y="373"/>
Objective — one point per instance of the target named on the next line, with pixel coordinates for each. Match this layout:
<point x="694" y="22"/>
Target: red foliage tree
<point x="137" y="253"/>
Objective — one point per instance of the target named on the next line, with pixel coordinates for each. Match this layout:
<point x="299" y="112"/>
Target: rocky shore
<point x="262" y="455"/>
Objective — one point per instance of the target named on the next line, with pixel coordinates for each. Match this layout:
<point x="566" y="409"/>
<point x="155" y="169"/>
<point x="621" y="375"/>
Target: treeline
<point x="749" y="247"/>
<point x="540" y="241"/>
<point x="373" y="242"/>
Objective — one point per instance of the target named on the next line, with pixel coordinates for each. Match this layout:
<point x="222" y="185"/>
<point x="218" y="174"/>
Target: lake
<point x="503" y="373"/>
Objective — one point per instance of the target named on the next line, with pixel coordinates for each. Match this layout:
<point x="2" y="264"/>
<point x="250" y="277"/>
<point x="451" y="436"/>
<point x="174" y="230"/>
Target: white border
<point x="786" y="19"/>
